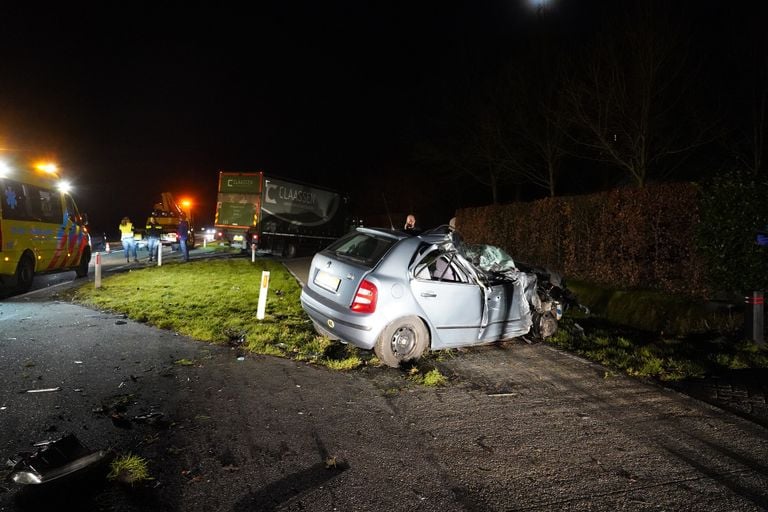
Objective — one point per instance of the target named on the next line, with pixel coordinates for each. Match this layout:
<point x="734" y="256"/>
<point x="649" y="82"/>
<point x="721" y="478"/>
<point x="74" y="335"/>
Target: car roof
<point x="427" y="236"/>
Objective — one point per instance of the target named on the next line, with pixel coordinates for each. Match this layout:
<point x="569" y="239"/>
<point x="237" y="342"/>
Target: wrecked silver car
<point x="401" y="295"/>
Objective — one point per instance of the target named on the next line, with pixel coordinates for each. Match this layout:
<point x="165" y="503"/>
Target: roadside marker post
<point x="160" y="255"/>
<point x="754" y="316"/>
<point x="253" y="253"/>
<point x="97" y="270"/>
<point x="263" y="295"/>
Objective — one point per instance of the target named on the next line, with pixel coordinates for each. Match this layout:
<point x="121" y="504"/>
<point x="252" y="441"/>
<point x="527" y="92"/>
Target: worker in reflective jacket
<point x="154" y="230"/>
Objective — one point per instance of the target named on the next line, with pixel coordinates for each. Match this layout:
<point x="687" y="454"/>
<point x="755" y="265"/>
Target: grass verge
<point x="665" y="358"/>
<point x="216" y="300"/>
<point x="655" y="311"/>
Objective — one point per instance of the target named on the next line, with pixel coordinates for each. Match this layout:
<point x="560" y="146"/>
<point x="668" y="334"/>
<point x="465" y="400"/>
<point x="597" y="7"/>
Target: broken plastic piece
<point x="150" y="418"/>
<point x="54" y="460"/>
<point x="43" y="390"/>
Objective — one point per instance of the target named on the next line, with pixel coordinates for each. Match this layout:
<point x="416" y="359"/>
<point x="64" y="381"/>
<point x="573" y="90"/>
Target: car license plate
<point x="238" y="238"/>
<point x="327" y="281"/>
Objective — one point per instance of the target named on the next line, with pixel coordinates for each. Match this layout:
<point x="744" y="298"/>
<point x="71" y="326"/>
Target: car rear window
<point x="362" y="248"/>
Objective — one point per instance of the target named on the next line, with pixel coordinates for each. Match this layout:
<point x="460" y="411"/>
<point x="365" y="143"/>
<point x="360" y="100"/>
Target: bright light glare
<point x="186" y="203"/>
<point x="539" y="4"/>
<point x="5" y="169"/>
<point x="48" y="167"/>
<point x="64" y="186"/>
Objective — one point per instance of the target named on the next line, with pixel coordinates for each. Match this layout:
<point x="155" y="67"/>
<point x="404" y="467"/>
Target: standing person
<point x="410" y="225"/>
<point x="127" y="239"/>
<point x="154" y="230"/>
<point x="183" y="234"/>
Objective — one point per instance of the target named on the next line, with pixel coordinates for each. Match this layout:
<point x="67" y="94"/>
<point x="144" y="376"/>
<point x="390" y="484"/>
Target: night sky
<point x="135" y="100"/>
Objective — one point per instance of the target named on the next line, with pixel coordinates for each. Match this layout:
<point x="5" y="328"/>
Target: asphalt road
<point x="522" y="427"/>
<point x="114" y="261"/>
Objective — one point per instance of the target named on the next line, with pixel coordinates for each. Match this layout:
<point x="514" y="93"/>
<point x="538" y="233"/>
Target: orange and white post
<point x="263" y="295"/>
<point x="97" y="270"/>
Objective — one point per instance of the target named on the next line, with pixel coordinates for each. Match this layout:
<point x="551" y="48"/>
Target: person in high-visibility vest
<point x="127" y="239"/>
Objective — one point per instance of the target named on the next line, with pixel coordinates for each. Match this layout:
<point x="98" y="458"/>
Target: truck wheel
<point x="405" y="339"/>
<point x="290" y="250"/>
<point x="82" y="267"/>
<point x="25" y="273"/>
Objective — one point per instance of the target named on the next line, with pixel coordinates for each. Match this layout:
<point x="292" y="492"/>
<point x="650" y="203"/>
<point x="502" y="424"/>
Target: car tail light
<point x="365" y="298"/>
<point x="255" y="237"/>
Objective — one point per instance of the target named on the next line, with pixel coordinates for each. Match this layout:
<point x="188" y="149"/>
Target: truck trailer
<point x="277" y="216"/>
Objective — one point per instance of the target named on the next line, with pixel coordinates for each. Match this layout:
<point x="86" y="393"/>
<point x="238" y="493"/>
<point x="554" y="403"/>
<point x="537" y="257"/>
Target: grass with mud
<point x="216" y="300"/>
<point x="665" y="358"/>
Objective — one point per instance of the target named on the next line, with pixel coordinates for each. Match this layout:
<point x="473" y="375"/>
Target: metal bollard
<point x="754" y="316"/>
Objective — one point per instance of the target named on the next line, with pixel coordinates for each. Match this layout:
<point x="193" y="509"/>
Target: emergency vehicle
<point x="41" y="229"/>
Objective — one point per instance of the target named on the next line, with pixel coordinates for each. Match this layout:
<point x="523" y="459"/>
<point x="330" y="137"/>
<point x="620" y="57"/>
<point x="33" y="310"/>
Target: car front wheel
<point x="544" y="326"/>
<point x="405" y="339"/>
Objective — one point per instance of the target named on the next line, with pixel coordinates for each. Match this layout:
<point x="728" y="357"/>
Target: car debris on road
<point x="54" y="460"/>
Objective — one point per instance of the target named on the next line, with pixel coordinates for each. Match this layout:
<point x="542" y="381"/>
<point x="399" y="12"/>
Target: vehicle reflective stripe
<point x="82" y="244"/>
<point x="60" y="246"/>
<point x="75" y="236"/>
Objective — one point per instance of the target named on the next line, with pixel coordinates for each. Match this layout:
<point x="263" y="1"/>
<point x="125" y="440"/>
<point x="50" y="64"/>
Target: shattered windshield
<point x="489" y="258"/>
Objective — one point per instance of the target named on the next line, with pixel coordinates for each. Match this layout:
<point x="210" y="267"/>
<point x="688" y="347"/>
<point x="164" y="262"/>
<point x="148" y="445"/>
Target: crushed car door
<point x="451" y="300"/>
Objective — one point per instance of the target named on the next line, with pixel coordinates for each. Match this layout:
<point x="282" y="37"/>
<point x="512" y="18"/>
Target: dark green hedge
<point x="734" y="206"/>
<point x="675" y="237"/>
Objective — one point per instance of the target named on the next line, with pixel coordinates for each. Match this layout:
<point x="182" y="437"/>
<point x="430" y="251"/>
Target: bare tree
<point x="750" y="144"/>
<point x="535" y="113"/>
<point x="474" y="146"/>
<point x="629" y="101"/>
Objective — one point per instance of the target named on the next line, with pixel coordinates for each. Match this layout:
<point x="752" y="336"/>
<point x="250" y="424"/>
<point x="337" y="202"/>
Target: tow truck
<point x="168" y="213"/>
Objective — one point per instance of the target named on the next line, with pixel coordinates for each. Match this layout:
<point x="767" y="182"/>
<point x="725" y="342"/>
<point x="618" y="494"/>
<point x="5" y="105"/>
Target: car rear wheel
<point x="405" y="339"/>
<point x="25" y="272"/>
<point x="290" y="251"/>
